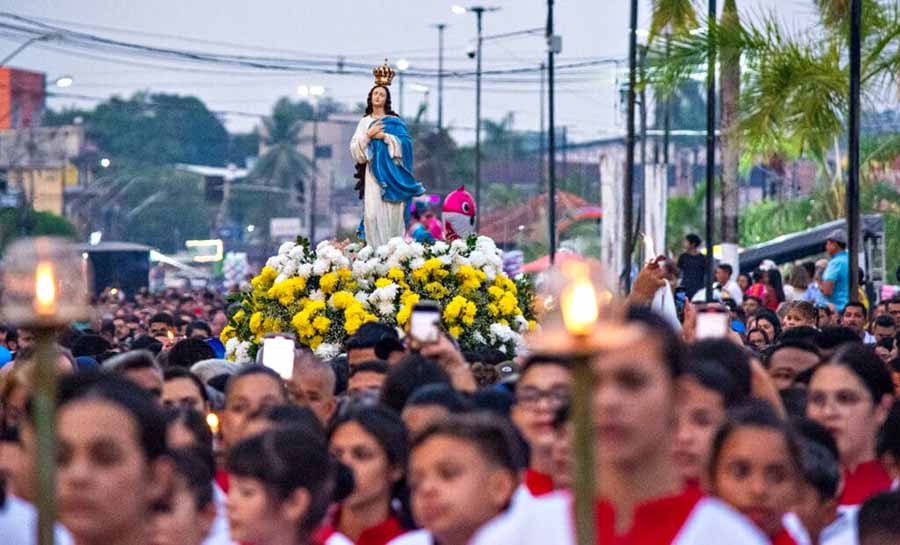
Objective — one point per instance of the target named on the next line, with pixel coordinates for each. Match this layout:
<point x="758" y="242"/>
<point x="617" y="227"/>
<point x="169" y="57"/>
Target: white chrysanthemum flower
<point x="479" y="338"/>
<point x="274" y="262"/>
<point x="327" y="351"/>
<point x="362" y="297"/>
<point x="296" y="252"/>
<point x="286" y="248"/>
<point x="478" y="259"/>
<point x="386" y="309"/>
<point x="304" y="270"/>
<point x="321" y="267"/>
<point x="365" y="253"/>
<point x="289" y="268"/>
<point x="521" y="323"/>
<point x="439" y="248"/>
<point x="416" y="249"/>
<point x="231" y="346"/>
<point x="459" y="245"/>
<point x="242" y="353"/>
<point x="317" y="295"/>
<point x="417" y="263"/>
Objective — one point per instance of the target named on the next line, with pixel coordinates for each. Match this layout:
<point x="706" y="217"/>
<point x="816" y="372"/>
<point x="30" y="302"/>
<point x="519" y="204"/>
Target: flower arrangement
<point x="327" y="294"/>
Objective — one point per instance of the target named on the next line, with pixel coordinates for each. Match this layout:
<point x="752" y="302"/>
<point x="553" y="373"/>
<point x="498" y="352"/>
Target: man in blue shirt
<point x="835" y="283"/>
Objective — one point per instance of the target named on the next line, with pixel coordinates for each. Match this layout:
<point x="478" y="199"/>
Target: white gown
<point x="382" y="220"/>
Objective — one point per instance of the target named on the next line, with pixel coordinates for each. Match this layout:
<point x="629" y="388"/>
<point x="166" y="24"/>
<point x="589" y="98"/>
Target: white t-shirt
<point x="18" y="524"/>
<point x="840" y="532"/>
<point x="548" y="520"/>
<point x="218" y="534"/>
<point x="419" y="537"/>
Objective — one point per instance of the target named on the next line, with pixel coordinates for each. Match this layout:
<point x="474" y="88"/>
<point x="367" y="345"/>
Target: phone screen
<point x="278" y="355"/>
<point x="713" y="325"/>
<point x="424" y="323"/>
<point x="680" y="298"/>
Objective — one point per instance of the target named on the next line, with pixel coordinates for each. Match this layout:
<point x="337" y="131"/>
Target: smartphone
<point x="424" y="322"/>
<point x="713" y="321"/>
<point x="680" y="298"/>
<point x="278" y="353"/>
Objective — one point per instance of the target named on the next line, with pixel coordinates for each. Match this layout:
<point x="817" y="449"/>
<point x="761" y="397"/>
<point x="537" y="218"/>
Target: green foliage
<point x="241" y="146"/>
<point x="154" y="128"/>
<point x="764" y="220"/>
<point x="677" y="15"/>
<point x="282" y="165"/>
<point x="684" y="215"/>
<point x="38" y="224"/>
<point x="154" y="205"/>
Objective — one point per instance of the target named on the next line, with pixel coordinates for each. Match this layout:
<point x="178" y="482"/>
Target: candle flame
<point x="213" y="422"/>
<point x="578" y="303"/>
<point x="45" y="289"/>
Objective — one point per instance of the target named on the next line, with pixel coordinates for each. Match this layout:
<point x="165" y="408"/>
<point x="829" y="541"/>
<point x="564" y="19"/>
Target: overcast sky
<point x="363" y="31"/>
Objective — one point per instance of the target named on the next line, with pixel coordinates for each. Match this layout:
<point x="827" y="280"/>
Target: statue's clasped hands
<point x="376" y="131"/>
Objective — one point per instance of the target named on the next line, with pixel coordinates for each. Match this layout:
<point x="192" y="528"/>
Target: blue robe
<point x="394" y="176"/>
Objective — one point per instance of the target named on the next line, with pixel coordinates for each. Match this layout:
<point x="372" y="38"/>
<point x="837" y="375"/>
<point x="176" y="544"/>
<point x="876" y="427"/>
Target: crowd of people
<point x="783" y="428"/>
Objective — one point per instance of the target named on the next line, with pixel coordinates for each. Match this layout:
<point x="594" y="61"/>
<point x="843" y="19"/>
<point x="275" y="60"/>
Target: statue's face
<point x="379" y="97"/>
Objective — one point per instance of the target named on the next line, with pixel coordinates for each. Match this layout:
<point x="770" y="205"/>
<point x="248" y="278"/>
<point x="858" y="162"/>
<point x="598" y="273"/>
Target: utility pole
<point x="552" y="45"/>
<point x="710" y="151"/>
<point x="479" y="11"/>
<point x="853" y="152"/>
<point x="541" y="140"/>
<point x="440" y="108"/>
<point x="628" y="209"/>
<point x="642" y="186"/>
<point x="315" y="175"/>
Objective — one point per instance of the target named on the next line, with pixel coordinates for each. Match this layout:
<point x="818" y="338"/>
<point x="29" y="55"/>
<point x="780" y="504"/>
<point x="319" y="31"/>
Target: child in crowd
<point x="463" y="472"/>
<point x="800" y="314"/>
<point x="754" y="467"/>
<point x="282" y="483"/>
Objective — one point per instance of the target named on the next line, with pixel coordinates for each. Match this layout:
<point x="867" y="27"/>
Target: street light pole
<point x="551" y="140"/>
<point x="313" y="92"/>
<point x="440" y="107"/>
<point x="853" y="152"/>
<point x="479" y="11"/>
<point x="27" y="43"/>
<point x="628" y="209"/>
<point x="710" y="149"/>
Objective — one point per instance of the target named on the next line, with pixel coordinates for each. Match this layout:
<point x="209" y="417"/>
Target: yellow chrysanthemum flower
<point x="328" y="282"/>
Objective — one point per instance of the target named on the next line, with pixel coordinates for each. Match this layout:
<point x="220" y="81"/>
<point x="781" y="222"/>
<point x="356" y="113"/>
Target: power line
<point x="94" y="43"/>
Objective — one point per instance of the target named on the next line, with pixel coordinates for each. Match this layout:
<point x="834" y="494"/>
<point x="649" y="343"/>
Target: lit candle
<point x="213" y="422"/>
<point x="578" y="302"/>
<point x="44" y="290"/>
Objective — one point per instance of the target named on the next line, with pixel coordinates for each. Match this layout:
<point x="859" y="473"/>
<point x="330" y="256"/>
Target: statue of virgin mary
<point x="383" y="151"/>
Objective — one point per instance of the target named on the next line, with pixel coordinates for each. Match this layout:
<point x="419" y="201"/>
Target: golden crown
<point x="384" y="74"/>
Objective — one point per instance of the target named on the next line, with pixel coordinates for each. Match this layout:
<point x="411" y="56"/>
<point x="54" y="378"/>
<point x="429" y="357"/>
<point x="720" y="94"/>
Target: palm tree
<point x="281" y="165"/>
<point x="794" y="90"/>
<point x="679" y="17"/>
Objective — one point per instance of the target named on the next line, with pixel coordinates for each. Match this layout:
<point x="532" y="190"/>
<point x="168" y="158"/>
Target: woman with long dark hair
<point x="372" y="441"/>
<point x="381" y="147"/>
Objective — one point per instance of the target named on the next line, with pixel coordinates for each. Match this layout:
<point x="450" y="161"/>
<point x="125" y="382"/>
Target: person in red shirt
<point x="544" y="387"/>
<point x="281" y="486"/>
<point x="372" y="441"/>
<point x="755" y="467"/>
<point x="851" y="396"/>
<point x="251" y="390"/>
<point x="463" y="471"/>
<point x="642" y="499"/>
